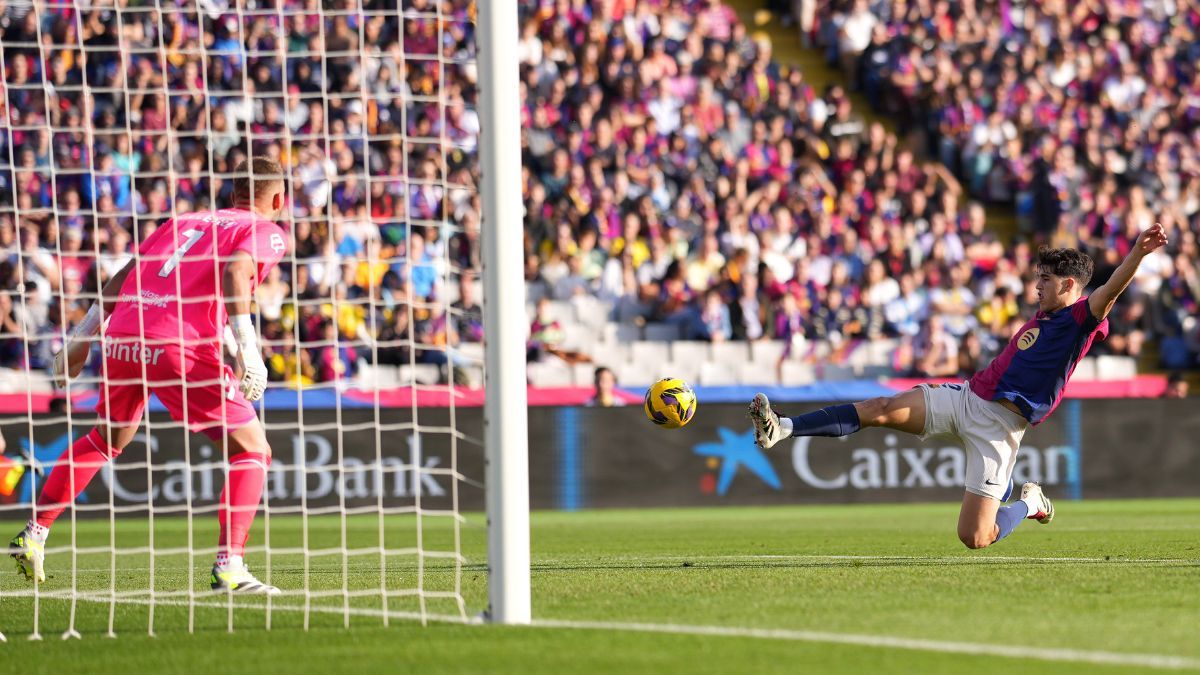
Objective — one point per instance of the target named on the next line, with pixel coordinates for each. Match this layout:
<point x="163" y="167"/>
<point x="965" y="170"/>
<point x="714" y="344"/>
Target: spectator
<point x="908" y="310"/>
<point x="468" y="315"/>
<point x="605" y="393"/>
<point x="545" y="333"/>
<point x="712" y="323"/>
<point x="935" y="351"/>
<point x="747" y="313"/>
<point x="1177" y="386"/>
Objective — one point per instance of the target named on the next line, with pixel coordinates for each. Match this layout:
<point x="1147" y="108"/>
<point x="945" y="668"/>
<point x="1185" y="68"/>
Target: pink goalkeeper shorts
<point x="195" y="386"/>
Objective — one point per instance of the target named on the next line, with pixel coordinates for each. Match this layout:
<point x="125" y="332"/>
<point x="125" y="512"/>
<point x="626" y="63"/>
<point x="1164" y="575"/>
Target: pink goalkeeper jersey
<point x="173" y="294"/>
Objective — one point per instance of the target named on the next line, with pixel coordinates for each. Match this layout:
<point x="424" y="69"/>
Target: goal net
<point x="117" y="116"/>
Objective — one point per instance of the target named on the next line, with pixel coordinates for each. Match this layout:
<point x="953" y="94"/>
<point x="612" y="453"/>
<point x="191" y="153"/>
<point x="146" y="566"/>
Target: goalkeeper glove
<point x="254" y="371"/>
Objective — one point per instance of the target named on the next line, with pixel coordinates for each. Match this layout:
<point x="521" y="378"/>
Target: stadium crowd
<point x="1083" y="115"/>
<point x="672" y="167"/>
<point x="126" y="116"/>
<point x="676" y="169"/>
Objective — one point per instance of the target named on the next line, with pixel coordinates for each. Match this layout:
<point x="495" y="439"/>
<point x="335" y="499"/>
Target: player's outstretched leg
<point x="903" y="412"/>
<point x="66" y="481"/>
<point x="983" y="522"/>
<point x="250" y="456"/>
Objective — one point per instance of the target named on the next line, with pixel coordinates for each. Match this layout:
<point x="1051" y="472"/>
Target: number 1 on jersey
<point x="169" y="266"/>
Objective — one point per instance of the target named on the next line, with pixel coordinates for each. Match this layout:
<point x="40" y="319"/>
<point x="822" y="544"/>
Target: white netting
<point x="119" y="116"/>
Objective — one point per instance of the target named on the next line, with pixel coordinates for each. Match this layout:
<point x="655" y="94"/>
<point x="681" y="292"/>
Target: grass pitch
<point x="1104" y="578"/>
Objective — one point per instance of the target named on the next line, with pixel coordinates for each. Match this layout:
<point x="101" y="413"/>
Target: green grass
<point x="1134" y="587"/>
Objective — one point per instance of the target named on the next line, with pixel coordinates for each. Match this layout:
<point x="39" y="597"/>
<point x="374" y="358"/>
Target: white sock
<point x="38" y="532"/>
<point x="226" y="561"/>
<point x="785" y="423"/>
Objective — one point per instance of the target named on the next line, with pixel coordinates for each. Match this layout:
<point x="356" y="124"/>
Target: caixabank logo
<point x="726" y="457"/>
<point x="312" y="472"/>
<point x="882" y="462"/>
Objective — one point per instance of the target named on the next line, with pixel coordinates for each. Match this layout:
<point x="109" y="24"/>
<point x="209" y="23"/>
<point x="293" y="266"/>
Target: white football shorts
<point x="991" y="434"/>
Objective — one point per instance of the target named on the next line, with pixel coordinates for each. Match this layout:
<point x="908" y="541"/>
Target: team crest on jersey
<point x="1028" y="338"/>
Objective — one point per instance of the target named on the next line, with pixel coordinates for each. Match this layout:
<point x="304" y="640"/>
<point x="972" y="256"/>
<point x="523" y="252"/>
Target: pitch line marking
<point x="972" y="560"/>
<point x="1162" y="661"/>
<point x="1159" y="661"/>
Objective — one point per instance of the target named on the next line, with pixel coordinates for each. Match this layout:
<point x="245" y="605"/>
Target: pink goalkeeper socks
<point x="239" y="500"/>
<point x="71" y="475"/>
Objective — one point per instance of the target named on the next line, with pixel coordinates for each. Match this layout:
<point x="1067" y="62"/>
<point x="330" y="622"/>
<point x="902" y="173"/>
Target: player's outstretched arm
<point x="1101" y="301"/>
<point x="71" y="358"/>
<point x="238" y="287"/>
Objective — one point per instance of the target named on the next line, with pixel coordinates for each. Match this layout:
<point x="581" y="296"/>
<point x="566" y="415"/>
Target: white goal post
<point x="506" y="436"/>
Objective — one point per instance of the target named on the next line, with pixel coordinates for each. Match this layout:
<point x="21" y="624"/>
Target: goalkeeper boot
<point x="30" y="554"/>
<point x="1031" y="493"/>
<point x="767" y="430"/>
<point x="236" y="578"/>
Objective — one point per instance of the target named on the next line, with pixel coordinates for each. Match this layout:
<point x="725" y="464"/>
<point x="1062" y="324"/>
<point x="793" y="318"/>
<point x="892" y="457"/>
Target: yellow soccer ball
<point x="670" y="403"/>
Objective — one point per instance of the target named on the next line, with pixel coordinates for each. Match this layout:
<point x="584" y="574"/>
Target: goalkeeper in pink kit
<point x="167" y="313"/>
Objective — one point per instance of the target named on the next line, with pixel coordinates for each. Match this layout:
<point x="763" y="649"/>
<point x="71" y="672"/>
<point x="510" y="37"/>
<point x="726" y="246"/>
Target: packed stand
<point x="165" y="104"/>
<point x="674" y="169"/>
<point x="1083" y="115"/>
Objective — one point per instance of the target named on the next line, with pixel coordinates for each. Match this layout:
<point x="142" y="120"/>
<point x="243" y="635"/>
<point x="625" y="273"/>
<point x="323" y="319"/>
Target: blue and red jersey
<point x="1035" y="366"/>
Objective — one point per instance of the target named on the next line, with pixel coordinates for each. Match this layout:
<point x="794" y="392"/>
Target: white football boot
<point x="236" y="578"/>
<point x="1045" y="511"/>
<point x="767" y="430"/>
<point x="30" y="554"/>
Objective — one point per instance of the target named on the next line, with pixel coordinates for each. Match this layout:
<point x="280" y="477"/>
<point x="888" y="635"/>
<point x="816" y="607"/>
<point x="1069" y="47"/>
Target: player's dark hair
<point x="599" y="373"/>
<point x="1066" y="262"/>
<point x="254" y="177"/>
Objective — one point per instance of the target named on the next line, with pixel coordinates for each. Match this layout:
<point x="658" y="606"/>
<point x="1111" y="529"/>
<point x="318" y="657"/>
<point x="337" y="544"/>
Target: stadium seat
<point x="730" y="352"/>
<point x="552" y="373"/>
<point x="562" y="312"/>
<point x="420" y="373"/>
<point x="1115" y="368"/>
<point x="591" y="311"/>
<point x="859" y="356"/>
<point x="688" y="370"/>
<point x="754" y="374"/>
<point x="472" y="351"/>
<point x="796" y="374"/>
<point x="767" y="352"/>
<point x="880" y="352"/>
<point x="662" y="332"/>
<point x="1085" y="370"/>
<point x="584" y="374"/>
<point x="624" y="333"/>
<point x="609" y="354"/>
<point x="838" y="371"/>
<point x="13" y="380"/>
<point x="717" y="374"/>
<point x="374" y="376"/>
<point x="634" y="376"/>
<point x="875" y="372"/>
<point x="578" y="337"/>
<point x="649" y="354"/>
<point x="693" y="351"/>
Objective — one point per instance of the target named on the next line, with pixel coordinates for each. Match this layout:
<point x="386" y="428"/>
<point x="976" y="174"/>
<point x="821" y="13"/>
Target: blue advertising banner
<point x="613" y="457"/>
